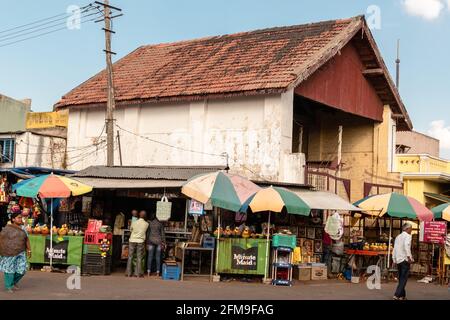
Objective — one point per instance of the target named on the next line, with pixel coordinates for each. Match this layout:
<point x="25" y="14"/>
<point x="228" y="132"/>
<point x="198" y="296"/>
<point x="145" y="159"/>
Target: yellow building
<point x="425" y="178"/>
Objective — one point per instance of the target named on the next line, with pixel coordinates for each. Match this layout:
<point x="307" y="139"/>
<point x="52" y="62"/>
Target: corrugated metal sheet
<point x="324" y="200"/>
<point x="102" y="183"/>
<point x="151" y="172"/>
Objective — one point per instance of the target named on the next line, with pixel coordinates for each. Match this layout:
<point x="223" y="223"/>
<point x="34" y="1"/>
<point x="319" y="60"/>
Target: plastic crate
<point x="171" y="272"/>
<point x="94" y="225"/>
<point x="284" y="240"/>
<point x="96" y="237"/>
<point x="94" y="264"/>
<point x="94" y="249"/>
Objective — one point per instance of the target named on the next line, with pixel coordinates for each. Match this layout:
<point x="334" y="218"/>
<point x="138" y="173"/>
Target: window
<point x="6" y="150"/>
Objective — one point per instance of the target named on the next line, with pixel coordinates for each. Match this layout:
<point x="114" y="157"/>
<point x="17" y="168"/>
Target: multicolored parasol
<point x="395" y="205"/>
<point x="50" y="186"/>
<point x="223" y="190"/>
<point x="442" y="211"/>
<point x="274" y="199"/>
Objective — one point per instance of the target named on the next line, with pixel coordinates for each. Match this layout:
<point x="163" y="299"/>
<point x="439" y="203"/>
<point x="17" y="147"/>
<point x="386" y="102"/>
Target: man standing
<point x="403" y="258"/>
<point x="137" y="244"/>
<point x="156" y="242"/>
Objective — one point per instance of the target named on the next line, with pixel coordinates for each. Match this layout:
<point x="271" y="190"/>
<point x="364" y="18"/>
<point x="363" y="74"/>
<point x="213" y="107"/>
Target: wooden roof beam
<point x="373" y="72"/>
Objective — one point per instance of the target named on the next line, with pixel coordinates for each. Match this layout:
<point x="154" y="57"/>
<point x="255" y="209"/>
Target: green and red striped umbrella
<point x="442" y="211"/>
<point x="223" y="190"/>
<point x="395" y="205"/>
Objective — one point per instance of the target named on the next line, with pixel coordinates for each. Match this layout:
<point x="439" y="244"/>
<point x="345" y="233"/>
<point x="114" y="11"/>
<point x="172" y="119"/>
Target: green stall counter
<point x="242" y="256"/>
<point x="68" y="250"/>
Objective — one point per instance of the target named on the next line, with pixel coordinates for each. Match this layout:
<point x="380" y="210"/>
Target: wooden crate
<point x="319" y="273"/>
<point x="302" y="273"/>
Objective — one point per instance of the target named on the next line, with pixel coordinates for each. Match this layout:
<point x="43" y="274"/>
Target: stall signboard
<point x="244" y="259"/>
<point x="433" y="232"/>
<point x="67" y="250"/>
<point x="242" y="256"/>
<point x="60" y="251"/>
<point x="195" y="208"/>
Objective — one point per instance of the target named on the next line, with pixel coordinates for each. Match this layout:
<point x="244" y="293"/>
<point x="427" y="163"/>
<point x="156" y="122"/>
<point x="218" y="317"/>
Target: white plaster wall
<point x="34" y="150"/>
<point x="256" y="133"/>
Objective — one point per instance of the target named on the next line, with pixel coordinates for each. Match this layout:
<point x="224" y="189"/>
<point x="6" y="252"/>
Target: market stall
<point x="242" y="256"/>
<point x="67" y="250"/>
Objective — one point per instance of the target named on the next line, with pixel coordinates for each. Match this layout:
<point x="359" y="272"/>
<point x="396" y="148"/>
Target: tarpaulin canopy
<point x="324" y="200"/>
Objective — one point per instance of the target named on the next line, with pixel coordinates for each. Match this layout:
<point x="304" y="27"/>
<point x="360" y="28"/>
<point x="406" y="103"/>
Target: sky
<point x="47" y="67"/>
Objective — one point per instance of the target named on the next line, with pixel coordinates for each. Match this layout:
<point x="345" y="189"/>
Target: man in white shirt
<point x="402" y="257"/>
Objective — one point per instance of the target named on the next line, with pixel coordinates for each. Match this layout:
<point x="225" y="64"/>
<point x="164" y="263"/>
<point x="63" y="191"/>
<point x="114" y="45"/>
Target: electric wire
<point x="41" y="20"/>
<point x="43" y="34"/>
<point x="19" y="33"/>
<point x="222" y="155"/>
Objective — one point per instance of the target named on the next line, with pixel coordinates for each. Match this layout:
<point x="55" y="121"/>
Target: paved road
<point x="41" y="285"/>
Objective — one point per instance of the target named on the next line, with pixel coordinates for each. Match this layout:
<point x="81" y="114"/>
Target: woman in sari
<point x="14" y="248"/>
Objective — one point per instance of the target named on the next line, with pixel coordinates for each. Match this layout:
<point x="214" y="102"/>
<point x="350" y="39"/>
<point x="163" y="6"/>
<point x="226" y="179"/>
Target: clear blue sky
<point x="45" y="68"/>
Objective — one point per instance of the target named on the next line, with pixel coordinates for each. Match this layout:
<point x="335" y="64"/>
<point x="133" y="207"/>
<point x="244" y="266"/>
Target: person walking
<point x="402" y="257"/>
<point x="156" y="242"/>
<point x="14" y="249"/>
<point x="137" y="245"/>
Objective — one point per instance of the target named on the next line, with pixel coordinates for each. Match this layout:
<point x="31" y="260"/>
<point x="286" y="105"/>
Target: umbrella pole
<point x="389" y="249"/>
<point x="218" y="239"/>
<point x="51" y="233"/>
<point x="267" y="249"/>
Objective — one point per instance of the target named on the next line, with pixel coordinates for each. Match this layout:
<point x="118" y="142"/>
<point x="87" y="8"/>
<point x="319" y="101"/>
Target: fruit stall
<point x="67" y="246"/>
<point x="242" y="256"/>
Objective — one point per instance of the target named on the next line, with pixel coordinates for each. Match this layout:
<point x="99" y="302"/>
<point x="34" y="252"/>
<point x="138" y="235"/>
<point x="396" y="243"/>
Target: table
<point x="381" y="262"/>
<point x="201" y="249"/>
<point x="68" y="250"/>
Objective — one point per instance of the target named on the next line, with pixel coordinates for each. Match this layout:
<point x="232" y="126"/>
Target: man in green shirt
<point x="137" y="245"/>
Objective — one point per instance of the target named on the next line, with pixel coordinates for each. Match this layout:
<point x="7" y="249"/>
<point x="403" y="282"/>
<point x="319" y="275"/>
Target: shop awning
<point x="100" y="183"/>
<point x="324" y="200"/>
<point x="436" y="196"/>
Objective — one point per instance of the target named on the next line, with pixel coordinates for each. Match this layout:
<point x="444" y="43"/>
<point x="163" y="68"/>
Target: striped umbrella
<point x="223" y="190"/>
<point x="50" y="186"/>
<point x="274" y="199"/>
<point x="442" y="211"/>
<point x="395" y="205"/>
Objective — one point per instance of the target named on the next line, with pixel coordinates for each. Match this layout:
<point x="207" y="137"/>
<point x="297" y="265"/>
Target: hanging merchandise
<point x="447" y="245"/>
<point x="335" y="226"/>
<point x="3" y="189"/>
<point x="163" y="208"/>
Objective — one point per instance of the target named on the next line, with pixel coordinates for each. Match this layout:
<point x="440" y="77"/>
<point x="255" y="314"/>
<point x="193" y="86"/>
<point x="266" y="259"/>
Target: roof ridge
<point x="254" y="31"/>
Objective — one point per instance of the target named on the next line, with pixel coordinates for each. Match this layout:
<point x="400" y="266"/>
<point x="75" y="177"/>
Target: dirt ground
<point x="53" y="286"/>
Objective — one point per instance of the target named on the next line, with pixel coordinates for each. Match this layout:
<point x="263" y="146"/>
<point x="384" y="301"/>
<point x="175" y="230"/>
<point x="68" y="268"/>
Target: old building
<point x="425" y="175"/>
<point x="26" y="140"/>
<point x="309" y="104"/>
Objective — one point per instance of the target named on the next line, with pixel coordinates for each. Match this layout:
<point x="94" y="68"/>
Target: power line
<point x="42" y="34"/>
<point x="22" y="33"/>
<point x="223" y="155"/>
<point x="41" y="20"/>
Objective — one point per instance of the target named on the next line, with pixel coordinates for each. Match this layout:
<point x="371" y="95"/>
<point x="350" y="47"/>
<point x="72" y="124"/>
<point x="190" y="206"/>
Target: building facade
<point x="309" y="104"/>
<point x="28" y="143"/>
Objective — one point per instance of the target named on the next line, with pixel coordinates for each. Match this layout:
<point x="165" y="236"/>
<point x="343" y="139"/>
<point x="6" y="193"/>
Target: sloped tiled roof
<point x="247" y="63"/>
<point x="262" y="60"/>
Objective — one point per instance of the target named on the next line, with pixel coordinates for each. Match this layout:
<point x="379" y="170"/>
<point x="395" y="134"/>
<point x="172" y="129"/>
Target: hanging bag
<point x="163" y="209"/>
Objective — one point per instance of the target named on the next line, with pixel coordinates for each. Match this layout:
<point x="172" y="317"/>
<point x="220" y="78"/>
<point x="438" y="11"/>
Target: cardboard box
<point x="302" y="273"/>
<point x="319" y="273"/>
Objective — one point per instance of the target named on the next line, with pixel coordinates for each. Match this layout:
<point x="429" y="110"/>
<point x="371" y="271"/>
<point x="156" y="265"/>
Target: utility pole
<point x="110" y="105"/>
<point x="397" y="63"/>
